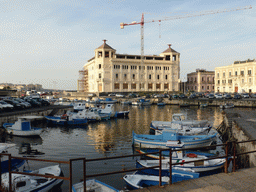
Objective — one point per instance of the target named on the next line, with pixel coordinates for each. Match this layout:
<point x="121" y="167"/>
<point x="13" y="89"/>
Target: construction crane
<point x="142" y="22"/>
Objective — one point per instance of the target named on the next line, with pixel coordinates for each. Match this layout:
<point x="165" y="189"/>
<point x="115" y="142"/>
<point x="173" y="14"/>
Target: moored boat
<point x="27" y="183"/>
<point x="22" y="127"/>
<point x="93" y="185"/>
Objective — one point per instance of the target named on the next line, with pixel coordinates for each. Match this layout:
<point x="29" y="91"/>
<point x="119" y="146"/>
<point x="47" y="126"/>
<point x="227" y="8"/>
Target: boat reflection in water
<point x="25" y="145"/>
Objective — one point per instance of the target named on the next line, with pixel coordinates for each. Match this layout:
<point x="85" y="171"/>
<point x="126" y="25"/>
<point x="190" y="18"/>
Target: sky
<point x="48" y="41"/>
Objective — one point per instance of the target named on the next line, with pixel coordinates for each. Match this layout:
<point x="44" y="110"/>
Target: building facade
<point x="200" y="81"/>
<point x="238" y="77"/>
<point x="108" y="72"/>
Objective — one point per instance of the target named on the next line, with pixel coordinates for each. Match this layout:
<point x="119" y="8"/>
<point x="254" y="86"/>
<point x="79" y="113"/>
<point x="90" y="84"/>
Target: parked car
<point x="27" y="104"/>
<point x="33" y="102"/>
<point x="182" y="96"/>
<point x="211" y="96"/>
<point x="227" y="96"/>
<point x="42" y="101"/>
<point x="253" y="95"/>
<point x="120" y="95"/>
<point x="175" y="96"/>
<point x="111" y="94"/>
<point x="218" y="96"/>
<point x="245" y="95"/>
<point x="237" y="96"/>
<point x="15" y="104"/>
<point x="6" y="106"/>
<point x="192" y="96"/>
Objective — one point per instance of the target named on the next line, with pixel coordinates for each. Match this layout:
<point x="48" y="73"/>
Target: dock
<point x="241" y="180"/>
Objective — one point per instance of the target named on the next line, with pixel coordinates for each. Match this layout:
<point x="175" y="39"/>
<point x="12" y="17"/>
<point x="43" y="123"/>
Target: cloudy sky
<point x="48" y="41"/>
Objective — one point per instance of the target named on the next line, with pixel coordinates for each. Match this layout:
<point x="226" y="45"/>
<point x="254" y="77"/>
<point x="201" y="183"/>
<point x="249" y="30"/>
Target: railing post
<point x="234" y="157"/>
<point x="0" y="172"/>
<point x="160" y="167"/>
<point x="226" y="163"/>
<point x="170" y="166"/>
<point x="70" y="175"/>
<point x="10" y="173"/>
<point x="84" y="166"/>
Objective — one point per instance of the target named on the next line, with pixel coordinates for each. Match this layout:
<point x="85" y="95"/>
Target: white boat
<point x="200" y="166"/>
<point x="227" y="106"/>
<point x="22" y="127"/>
<point x="108" y="101"/>
<point x="141" y="102"/>
<point x="27" y="183"/>
<point x="184" y="129"/>
<point x="93" y="185"/>
<point x="178" y="118"/>
<point x="5" y="146"/>
<point x="137" y="181"/>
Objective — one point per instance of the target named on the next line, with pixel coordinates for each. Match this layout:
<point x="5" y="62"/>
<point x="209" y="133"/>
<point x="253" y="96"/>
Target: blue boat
<point x="138" y="181"/>
<point x="15" y="164"/>
<point x="65" y="121"/>
<point x="170" y="139"/>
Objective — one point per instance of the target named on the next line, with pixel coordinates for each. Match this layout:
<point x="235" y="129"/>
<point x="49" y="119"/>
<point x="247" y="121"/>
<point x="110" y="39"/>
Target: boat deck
<point x="241" y="180"/>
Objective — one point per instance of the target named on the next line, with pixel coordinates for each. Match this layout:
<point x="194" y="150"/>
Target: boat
<point x="105" y="111"/>
<point x="66" y="120"/>
<point x="93" y="185"/>
<point x="27" y="183"/>
<point x="141" y="102"/>
<point x="15" y="164"/>
<point x="227" y="106"/>
<point x="5" y="146"/>
<point x="126" y="102"/>
<point x="161" y="104"/>
<point x="178" y="118"/>
<point x="184" y="130"/>
<point x="79" y="106"/>
<point x="165" y="154"/>
<point x="204" y="165"/>
<point x="203" y="105"/>
<point x="122" y="114"/>
<point x="108" y="101"/>
<point x="170" y="139"/>
<point x="22" y="127"/>
<point x="139" y="181"/>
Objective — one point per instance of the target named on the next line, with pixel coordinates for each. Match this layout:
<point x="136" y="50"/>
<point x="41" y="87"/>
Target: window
<point x="202" y="79"/>
<point x="166" y="86"/>
<point x="218" y="81"/>
<point x="174" y="57"/>
<point x="157" y="76"/>
<point x="223" y="74"/>
<point x="125" y="85"/>
<point x="218" y="75"/>
<point x="150" y="86"/>
<point x="235" y="73"/>
<point x="207" y="87"/>
<point x="124" y="76"/>
<point x="99" y="54"/>
<point x="250" y="80"/>
<point x="208" y="79"/>
<point x="242" y="80"/>
<point x="249" y="72"/>
<point x="116" y="76"/>
<point x="195" y="80"/>
<point x="242" y="73"/>
<point x="99" y="66"/>
<point x="107" y="54"/>
<point x="195" y="87"/>
<point x="166" y="76"/>
<point x="99" y="75"/>
<point x="133" y="76"/>
<point x="202" y="87"/>
<point x="116" y="86"/>
<point x="149" y="76"/>
<point x="229" y="73"/>
<point x="158" y="85"/>
<point x="133" y="85"/>
<point x="167" y="57"/>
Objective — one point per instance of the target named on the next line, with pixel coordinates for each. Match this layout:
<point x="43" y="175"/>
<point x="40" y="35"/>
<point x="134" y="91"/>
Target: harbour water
<point x="104" y="139"/>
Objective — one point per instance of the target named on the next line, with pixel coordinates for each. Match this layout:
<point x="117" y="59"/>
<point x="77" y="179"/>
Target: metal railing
<point x="228" y="157"/>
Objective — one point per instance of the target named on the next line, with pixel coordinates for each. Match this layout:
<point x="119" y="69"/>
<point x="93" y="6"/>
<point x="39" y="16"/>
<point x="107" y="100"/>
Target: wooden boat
<point x="93" y="185"/>
<point x="178" y="118"/>
<point x="165" y="154"/>
<point x="26" y="183"/>
<point x="22" y="127"/>
<point x="200" y="166"/>
<point x="138" y="181"/>
<point x="164" y="140"/>
<point x="184" y="130"/>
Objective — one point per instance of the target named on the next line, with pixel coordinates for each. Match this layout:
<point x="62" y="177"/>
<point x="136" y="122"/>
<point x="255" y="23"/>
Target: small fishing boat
<point x="15" y="164"/>
<point x="201" y="166"/>
<point x="93" y="185"/>
<point x="27" y="183"/>
<point x="108" y="101"/>
<point x="5" y="146"/>
<point x="165" y="154"/>
<point x="178" y="118"/>
<point x="22" y="127"/>
<point x="203" y="105"/>
<point x="227" y="106"/>
<point x="122" y="114"/>
<point x="138" y="181"/>
<point x="184" y="130"/>
<point x="141" y="102"/>
<point x="66" y="120"/>
<point x="172" y="139"/>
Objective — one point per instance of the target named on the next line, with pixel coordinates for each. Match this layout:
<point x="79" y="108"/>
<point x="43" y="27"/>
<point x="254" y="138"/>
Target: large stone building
<point x="238" y="77"/>
<point x="200" y="81"/>
<point x="108" y="72"/>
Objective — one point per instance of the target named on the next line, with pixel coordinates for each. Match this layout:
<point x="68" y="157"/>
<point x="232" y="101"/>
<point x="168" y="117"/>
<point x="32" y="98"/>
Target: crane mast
<point x="142" y="22"/>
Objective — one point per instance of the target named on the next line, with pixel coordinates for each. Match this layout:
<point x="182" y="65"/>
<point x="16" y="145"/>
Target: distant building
<point x="108" y="71"/>
<point x="238" y="77"/>
<point x="200" y="81"/>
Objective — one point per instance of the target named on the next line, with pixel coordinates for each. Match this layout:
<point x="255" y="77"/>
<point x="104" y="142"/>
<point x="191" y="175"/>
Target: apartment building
<point x="200" y="81"/>
<point x="109" y="71"/>
<point x="238" y="77"/>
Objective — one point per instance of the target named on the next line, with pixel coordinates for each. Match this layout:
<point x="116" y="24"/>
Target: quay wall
<point x="241" y="126"/>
